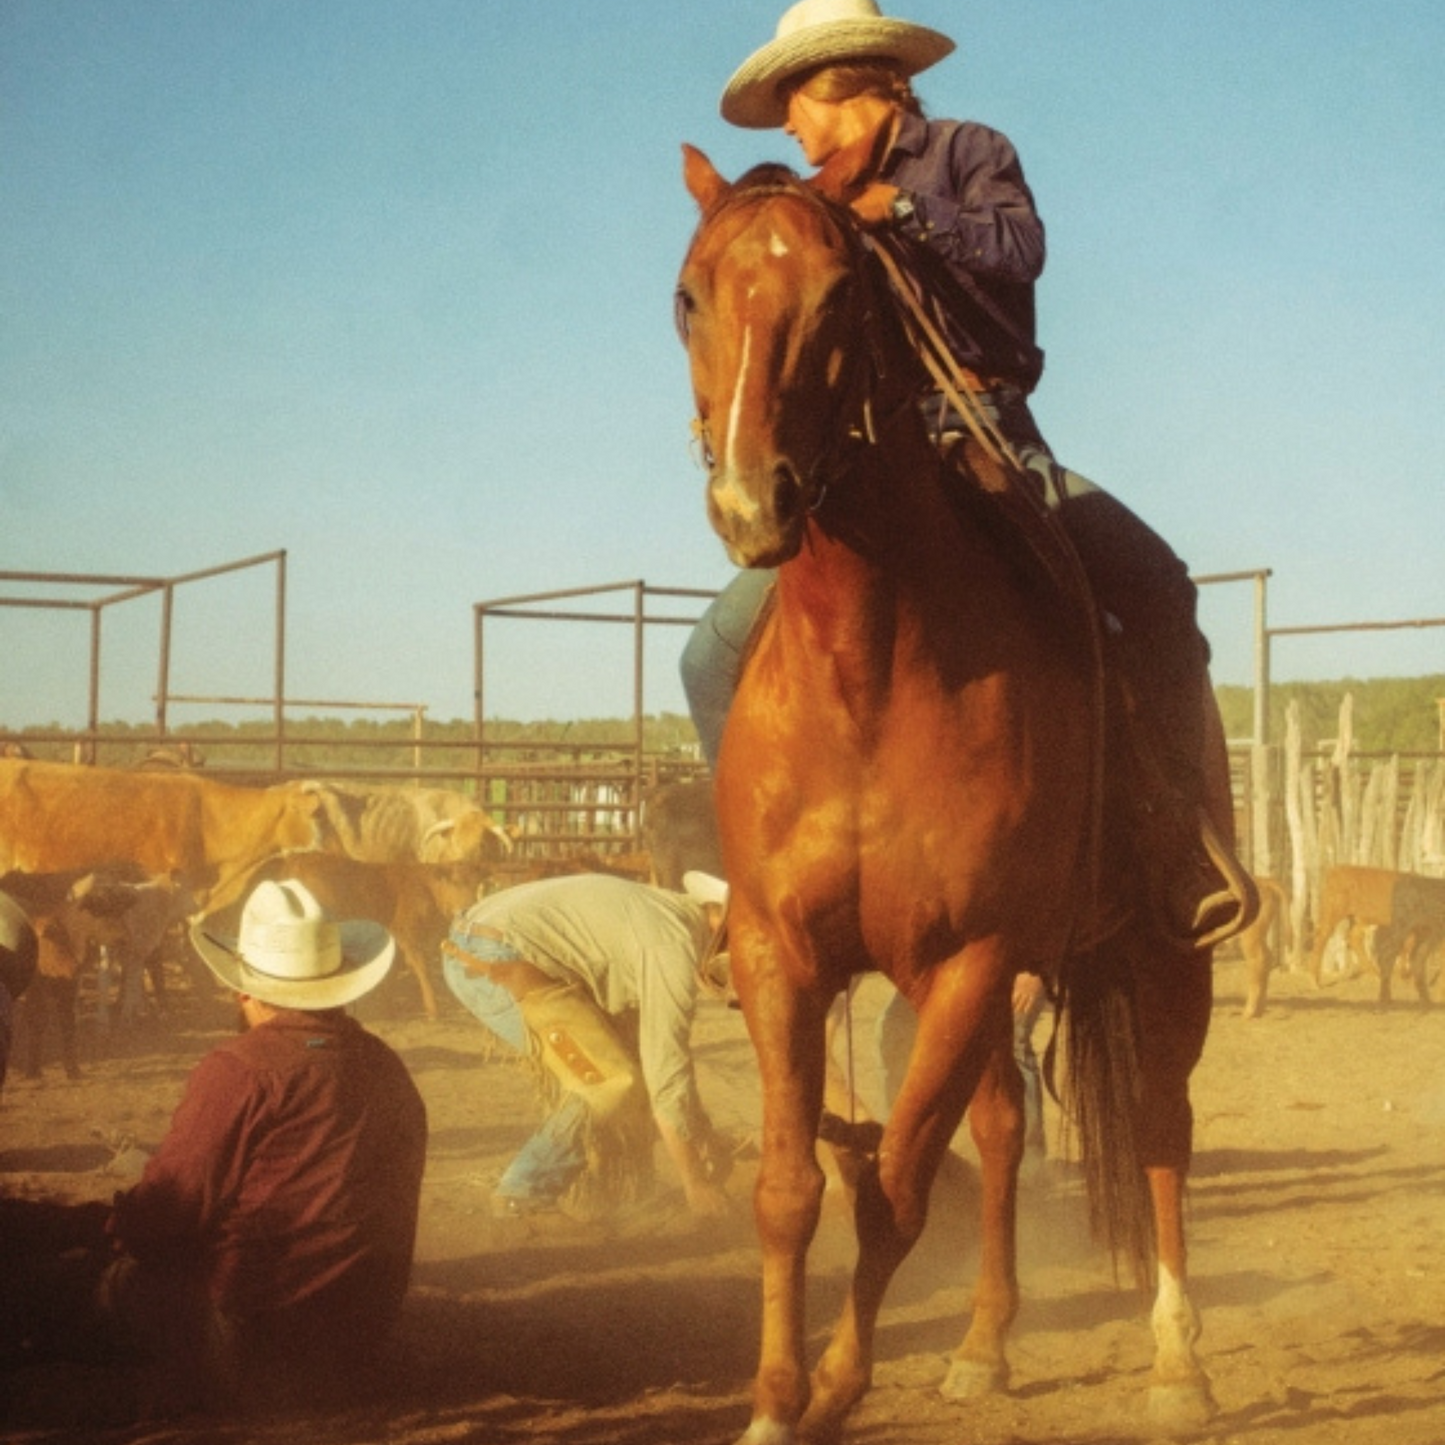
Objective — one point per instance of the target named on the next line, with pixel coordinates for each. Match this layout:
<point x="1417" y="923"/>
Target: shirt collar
<point x="912" y="137"/>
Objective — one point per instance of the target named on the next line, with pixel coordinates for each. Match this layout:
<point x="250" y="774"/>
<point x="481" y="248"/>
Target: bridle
<point x="863" y="410"/>
<point x="879" y="269"/>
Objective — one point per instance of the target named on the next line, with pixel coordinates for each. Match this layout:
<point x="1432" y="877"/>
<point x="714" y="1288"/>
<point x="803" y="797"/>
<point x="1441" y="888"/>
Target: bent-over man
<point x="596" y="979"/>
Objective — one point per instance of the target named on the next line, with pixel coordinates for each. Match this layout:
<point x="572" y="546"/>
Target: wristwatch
<point x="902" y="209"/>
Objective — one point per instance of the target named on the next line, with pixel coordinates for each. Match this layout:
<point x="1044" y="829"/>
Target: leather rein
<point x="924" y="339"/>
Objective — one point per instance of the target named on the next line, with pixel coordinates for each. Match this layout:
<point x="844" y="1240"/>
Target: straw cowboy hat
<point x="824" y="32"/>
<point x="290" y="954"/>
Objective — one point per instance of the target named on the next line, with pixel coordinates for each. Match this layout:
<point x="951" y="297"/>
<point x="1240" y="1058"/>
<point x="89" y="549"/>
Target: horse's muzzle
<point x="760" y="515"/>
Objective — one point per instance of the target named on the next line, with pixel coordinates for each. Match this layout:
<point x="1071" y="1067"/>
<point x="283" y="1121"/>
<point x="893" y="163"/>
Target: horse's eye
<point x="682" y="309"/>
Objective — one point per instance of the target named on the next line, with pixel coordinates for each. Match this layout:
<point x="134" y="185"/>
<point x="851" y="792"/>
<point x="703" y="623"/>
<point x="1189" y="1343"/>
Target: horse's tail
<point x="1102" y="1097"/>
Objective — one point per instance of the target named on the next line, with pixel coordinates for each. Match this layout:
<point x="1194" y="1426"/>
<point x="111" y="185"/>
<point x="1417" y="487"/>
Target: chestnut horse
<point x="907" y="784"/>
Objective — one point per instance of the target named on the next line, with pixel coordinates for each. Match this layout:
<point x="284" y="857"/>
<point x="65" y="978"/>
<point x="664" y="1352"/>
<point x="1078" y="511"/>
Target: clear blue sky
<point x="387" y="283"/>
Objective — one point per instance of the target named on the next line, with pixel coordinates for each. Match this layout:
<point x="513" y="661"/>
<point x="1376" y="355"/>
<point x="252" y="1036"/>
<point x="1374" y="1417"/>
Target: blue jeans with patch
<point x="554" y="1156"/>
<point x="712" y="659"/>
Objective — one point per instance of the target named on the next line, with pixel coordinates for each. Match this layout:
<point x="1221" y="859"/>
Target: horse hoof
<point x="1179" y="1408"/>
<point x="767" y="1432"/>
<point x="972" y="1379"/>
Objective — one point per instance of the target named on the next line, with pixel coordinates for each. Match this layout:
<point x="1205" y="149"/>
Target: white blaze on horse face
<point x="735" y="411"/>
<point x="727" y="495"/>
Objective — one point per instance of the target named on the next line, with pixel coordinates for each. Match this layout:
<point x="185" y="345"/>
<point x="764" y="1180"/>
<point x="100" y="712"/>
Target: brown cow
<point x="155" y="912"/>
<point x="416" y="902"/>
<point x="78" y="921"/>
<point x="1256" y="943"/>
<point x="379" y="824"/>
<point x="206" y="834"/>
<point x="1406" y="910"/>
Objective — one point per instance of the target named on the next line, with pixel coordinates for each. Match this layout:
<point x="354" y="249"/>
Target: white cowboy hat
<point x="824" y="32"/>
<point x="714" y="967"/>
<point x="291" y="955"/>
<point x="704" y="888"/>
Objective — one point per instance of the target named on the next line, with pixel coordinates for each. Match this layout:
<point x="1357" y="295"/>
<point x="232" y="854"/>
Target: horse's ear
<point x="703" y="181"/>
<point x="849" y="171"/>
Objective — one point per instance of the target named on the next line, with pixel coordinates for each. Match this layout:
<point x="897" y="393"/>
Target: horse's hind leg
<point x="1174" y="1000"/>
<point x="996" y="1119"/>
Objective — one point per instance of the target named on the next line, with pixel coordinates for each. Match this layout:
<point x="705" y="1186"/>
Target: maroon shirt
<point x="290" y="1176"/>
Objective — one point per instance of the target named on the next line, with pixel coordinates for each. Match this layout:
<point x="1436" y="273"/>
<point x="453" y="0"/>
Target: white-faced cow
<point x="380" y="824"/>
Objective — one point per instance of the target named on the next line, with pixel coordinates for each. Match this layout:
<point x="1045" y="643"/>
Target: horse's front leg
<point x="963" y="1031"/>
<point x="788" y="1035"/>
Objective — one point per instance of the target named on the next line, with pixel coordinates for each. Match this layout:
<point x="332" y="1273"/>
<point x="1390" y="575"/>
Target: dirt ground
<point x="1316" y="1234"/>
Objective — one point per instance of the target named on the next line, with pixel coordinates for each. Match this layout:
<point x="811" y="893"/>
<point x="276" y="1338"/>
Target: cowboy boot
<point x="1198" y="890"/>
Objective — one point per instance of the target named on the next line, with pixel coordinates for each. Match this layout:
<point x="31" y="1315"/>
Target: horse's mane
<point x="770" y="174"/>
<point x="773" y="178"/>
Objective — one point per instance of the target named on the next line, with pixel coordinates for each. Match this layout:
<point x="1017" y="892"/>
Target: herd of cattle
<point x="113" y="864"/>
<point x="1388" y="923"/>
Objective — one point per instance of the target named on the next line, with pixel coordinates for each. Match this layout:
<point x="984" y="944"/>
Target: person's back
<point x="312" y="1133"/>
<point x="270" y="1237"/>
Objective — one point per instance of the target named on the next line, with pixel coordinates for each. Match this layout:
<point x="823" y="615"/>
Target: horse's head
<point x="773" y="306"/>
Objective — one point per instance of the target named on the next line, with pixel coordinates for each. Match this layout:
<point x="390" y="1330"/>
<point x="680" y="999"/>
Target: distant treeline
<point x="1391" y="714"/>
<point x="331" y="742"/>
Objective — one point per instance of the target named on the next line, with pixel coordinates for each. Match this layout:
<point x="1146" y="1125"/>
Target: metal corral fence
<point x="563" y="796"/>
<point x="1337" y="806"/>
<point x="572" y="795"/>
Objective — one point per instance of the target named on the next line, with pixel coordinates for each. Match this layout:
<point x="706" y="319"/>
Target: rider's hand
<point x="874" y="206"/>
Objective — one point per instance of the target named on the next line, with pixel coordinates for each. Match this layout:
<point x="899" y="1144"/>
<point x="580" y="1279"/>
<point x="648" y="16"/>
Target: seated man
<point x="270" y="1238"/>
<point x="596" y="979"/>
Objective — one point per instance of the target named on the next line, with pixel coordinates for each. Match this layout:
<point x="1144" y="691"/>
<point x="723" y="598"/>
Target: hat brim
<point x="752" y="98"/>
<point x="367" y="951"/>
<point x="704" y="887"/>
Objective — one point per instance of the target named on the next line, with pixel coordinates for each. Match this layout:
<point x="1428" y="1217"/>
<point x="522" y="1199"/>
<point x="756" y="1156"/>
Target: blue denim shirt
<point x="979" y="240"/>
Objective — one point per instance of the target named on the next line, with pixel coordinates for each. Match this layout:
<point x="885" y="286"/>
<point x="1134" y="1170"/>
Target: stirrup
<point x="1228" y="911"/>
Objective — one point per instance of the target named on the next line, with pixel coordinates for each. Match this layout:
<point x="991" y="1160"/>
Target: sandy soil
<point x="1316" y="1229"/>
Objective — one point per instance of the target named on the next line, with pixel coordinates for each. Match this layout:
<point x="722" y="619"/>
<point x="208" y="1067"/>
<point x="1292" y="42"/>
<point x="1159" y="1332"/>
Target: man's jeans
<point x="554" y="1156"/>
<point x="712" y="660"/>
